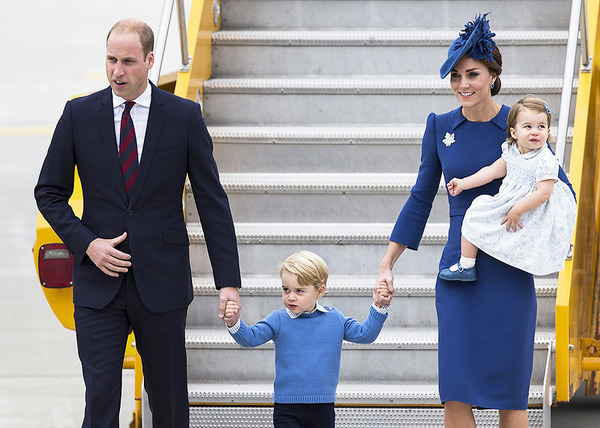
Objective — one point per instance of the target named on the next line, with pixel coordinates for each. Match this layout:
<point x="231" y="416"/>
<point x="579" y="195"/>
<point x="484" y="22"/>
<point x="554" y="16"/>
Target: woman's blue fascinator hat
<point x="475" y="40"/>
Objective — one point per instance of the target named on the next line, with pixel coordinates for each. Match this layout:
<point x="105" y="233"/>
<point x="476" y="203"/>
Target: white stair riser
<point x="343" y="157"/>
<point x="314" y="108"/>
<point x="407" y="311"/>
<point x="250" y="60"/>
<point x="358" y="364"/>
<point x="350" y="208"/>
<point x="505" y="14"/>
<point x="350" y="259"/>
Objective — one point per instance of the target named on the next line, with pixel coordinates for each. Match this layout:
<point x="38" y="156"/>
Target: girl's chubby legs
<point x="467" y="249"/>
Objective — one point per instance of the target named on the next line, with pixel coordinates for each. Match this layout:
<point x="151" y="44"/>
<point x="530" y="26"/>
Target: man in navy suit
<point x="130" y="247"/>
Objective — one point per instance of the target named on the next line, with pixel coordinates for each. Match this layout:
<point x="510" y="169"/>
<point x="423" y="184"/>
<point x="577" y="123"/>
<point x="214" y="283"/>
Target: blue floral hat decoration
<point x="475" y="40"/>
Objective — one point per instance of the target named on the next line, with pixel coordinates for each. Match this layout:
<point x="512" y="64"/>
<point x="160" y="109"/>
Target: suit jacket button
<point x="130" y="213"/>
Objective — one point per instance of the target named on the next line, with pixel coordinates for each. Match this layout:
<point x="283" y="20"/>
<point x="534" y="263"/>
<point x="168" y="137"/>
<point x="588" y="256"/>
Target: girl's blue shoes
<point x="460" y="274"/>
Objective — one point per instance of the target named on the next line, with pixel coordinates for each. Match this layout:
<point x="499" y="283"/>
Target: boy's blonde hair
<point x="309" y="268"/>
<point x="531" y="102"/>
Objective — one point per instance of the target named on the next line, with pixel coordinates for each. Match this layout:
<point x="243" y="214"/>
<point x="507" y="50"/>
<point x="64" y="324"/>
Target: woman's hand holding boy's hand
<point x="232" y="314"/>
<point x="382" y="295"/>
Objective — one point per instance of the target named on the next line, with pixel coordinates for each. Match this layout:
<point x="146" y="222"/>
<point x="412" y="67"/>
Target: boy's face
<point x="297" y="298"/>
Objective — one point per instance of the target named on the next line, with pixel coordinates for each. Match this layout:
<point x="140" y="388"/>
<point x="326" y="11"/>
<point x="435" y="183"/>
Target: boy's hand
<point x="455" y="186"/>
<point x="232" y="313"/>
<point x="382" y="295"/>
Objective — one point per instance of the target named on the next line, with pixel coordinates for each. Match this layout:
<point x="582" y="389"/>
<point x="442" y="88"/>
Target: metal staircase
<point x="317" y="109"/>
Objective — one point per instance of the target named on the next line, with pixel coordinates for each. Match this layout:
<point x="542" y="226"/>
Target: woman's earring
<point x="492" y="85"/>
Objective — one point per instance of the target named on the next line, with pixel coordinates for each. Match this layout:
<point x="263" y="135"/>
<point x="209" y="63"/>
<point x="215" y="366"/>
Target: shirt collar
<point x="317" y="308"/>
<point x="144" y="100"/>
<point x="457" y="118"/>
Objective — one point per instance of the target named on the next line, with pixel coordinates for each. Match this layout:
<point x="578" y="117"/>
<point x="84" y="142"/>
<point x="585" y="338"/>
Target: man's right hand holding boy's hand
<point x="232" y="314"/>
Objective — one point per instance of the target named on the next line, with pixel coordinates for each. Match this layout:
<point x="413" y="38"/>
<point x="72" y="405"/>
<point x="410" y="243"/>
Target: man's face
<point x="126" y="68"/>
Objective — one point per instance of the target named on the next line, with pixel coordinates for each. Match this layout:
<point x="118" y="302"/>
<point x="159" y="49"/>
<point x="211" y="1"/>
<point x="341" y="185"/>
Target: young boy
<point x="308" y="342"/>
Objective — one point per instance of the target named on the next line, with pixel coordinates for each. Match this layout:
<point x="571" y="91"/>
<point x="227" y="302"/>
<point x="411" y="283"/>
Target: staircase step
<point x="361" y="51"/>
<point x="321" y="183"/>
<point x="370" y="134"/>
<point x="336" y="100"/>
<point x="411" y="351"/>
<point x="347" y="394"/>
<point x="314" y="135"/>
<point x="377" y="37"/>
<point x="347" y="417"/>
<point x="413" y="305"/>
<point x="262" y="246"/>
<point x="294" y="197"/>
<point x="389" y="84"/>
<point x="389" y="339"/>
<point x="320" y="233"/>
<point x="506" y="14"/>
<point x="372" y="148"/>
<point x="352" y="285"/>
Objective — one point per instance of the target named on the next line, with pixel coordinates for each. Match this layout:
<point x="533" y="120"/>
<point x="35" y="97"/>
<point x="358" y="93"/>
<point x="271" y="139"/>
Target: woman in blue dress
<point x="485" y="328"/>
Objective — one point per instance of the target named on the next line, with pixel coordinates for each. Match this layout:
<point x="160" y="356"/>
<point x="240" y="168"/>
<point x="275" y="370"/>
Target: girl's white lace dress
<point x="541" y="247"/>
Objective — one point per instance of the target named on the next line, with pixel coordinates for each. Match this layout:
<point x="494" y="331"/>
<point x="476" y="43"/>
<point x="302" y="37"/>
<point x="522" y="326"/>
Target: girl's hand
<point x="512" y="220"/>
<point x="455" y="186"/>
<point x="232" y="313"/>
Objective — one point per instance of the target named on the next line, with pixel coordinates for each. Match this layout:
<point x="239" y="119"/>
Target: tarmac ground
<point x="52" y="50"/>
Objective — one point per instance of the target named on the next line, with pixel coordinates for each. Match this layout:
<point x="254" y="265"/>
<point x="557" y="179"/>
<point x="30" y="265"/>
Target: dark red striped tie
<point x="128" y="153"/>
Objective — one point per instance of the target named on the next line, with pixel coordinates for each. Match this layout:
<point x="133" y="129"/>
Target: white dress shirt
<point x="139" y="114"/>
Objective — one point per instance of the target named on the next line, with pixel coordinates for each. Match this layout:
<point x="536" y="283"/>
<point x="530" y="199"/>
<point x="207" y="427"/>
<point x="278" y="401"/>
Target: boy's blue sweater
<point x="308" y="350"/>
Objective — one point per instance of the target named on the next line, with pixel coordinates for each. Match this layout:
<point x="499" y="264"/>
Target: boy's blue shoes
<point x="461" y="274"/>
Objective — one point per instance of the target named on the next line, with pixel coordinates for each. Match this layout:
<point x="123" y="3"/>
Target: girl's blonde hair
<point x="309" y="268"/>
<point x="531" y="102"/>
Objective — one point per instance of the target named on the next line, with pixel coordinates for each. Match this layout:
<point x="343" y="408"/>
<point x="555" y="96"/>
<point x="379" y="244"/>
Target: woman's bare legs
<point x="458" y="415"/>
<point x="513" y="419"/>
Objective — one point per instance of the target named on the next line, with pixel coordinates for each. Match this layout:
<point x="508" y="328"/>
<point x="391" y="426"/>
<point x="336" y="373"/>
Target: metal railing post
<point x="161" y="40"/>
<point x="586" y="59"/>
<point x="185" y="57"/>
<point x="567" y="89"/>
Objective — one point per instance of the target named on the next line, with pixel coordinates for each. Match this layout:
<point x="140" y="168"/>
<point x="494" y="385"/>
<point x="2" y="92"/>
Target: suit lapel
<point x="106" y="125"/>
<point x="156" y="118"/>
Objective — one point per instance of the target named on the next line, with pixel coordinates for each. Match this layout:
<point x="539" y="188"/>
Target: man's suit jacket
<point x="176" y="143"/>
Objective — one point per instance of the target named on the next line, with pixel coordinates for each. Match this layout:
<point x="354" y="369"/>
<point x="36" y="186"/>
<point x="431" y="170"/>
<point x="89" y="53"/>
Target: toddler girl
<point x="529" y="223"/>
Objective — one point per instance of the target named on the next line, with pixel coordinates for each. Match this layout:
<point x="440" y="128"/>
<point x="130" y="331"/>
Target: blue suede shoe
<point x="466" y="275"/>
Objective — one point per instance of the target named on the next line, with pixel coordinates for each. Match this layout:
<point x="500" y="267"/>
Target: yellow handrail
<point x="578" y="284"/>
<point x="203" y="21"/>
